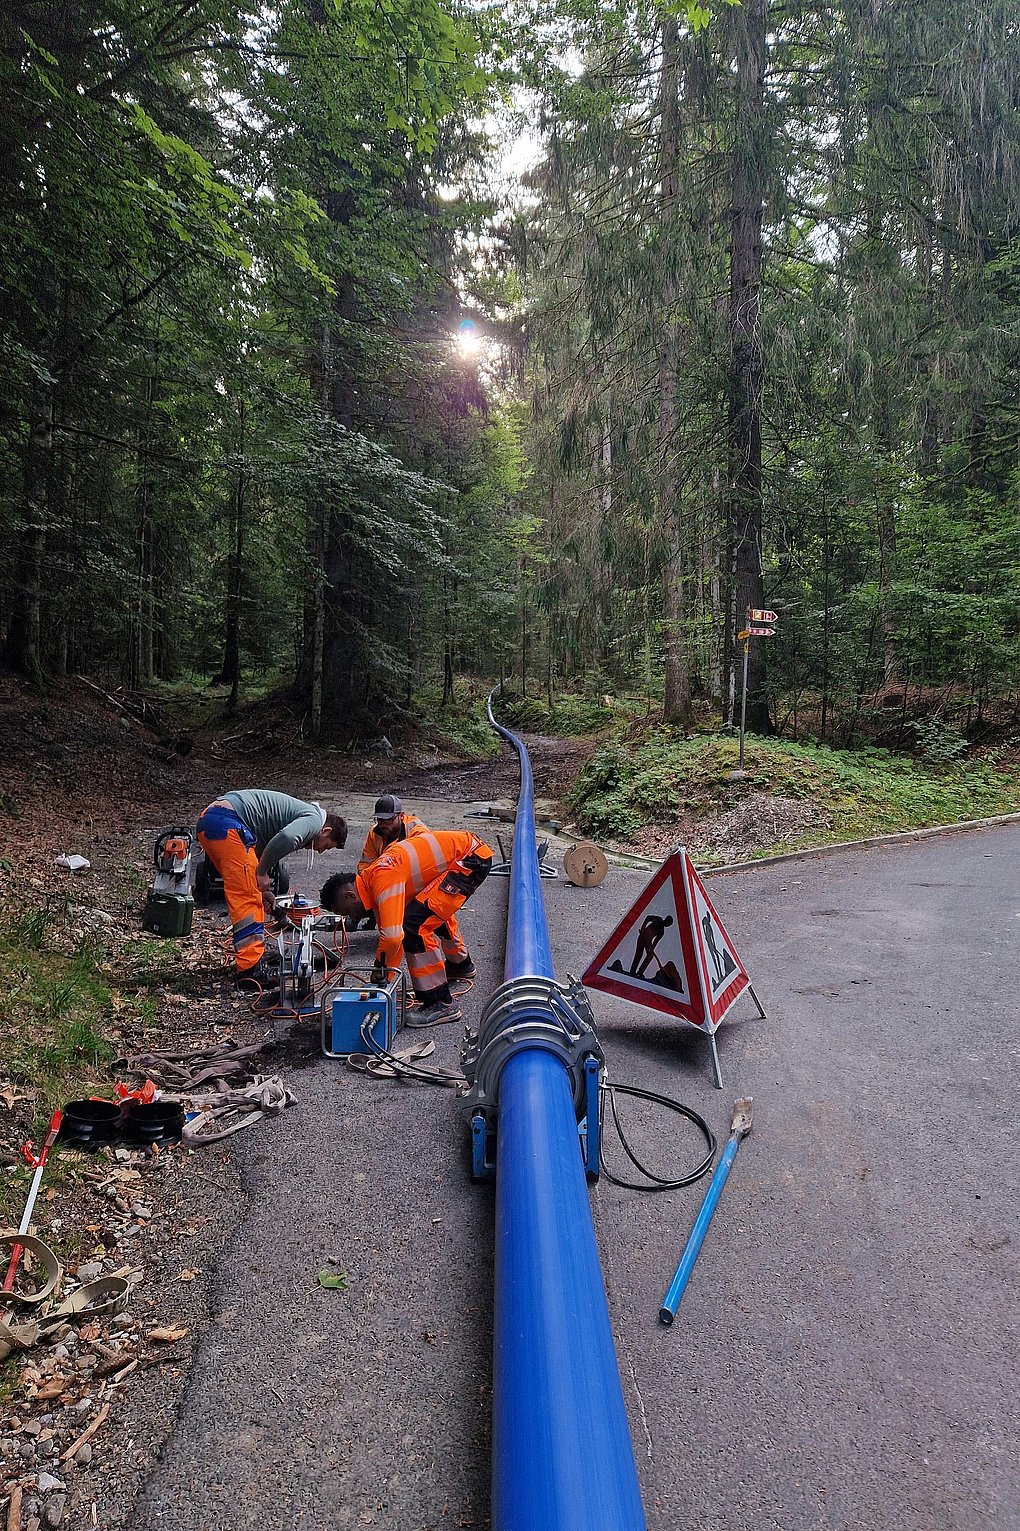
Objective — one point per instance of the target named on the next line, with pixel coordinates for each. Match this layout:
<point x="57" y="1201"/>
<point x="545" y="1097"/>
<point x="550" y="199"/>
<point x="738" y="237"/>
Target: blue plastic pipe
<point x="671" y="1301"/>
<point x="562" y="1458"/>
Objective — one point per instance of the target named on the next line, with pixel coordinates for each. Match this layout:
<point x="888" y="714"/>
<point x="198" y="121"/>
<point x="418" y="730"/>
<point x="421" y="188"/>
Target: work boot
<point x="264" y="975"/>
<point x="435" y="1015"/>
<point x="464" y="969"/>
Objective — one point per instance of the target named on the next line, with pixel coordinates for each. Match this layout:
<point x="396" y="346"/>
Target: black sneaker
<point x="436" y="1015"/>
<point x="264" y="975"/>
<point x="465" y="969"/>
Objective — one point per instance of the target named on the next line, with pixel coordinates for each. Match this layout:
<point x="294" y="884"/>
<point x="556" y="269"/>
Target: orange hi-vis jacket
<point x="406" y="869"/>
<point x="375" y="846"/>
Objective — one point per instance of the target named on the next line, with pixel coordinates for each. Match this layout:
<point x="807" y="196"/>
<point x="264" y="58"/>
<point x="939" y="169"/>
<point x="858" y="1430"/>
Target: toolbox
<point x="353" y="1005"/>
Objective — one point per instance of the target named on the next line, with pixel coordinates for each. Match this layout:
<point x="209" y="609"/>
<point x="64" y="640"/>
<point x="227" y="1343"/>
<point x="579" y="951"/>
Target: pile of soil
<point x="734" y="834"/>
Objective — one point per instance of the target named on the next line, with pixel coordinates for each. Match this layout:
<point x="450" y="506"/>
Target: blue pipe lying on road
<point x="562" y="1458"/>
<point x="739" y="1128"/>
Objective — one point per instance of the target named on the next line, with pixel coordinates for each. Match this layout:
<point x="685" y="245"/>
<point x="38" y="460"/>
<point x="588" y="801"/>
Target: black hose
<point x="658" y="1183"/>
<point x="403" y="1065"/>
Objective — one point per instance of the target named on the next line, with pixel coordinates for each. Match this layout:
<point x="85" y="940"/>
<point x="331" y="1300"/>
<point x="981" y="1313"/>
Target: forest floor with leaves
<point x="83" y="1413"/>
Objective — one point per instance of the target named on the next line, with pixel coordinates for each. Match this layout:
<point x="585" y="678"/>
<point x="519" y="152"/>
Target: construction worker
<point x="392" y="822"/>
<point x="245" y="835"/>
<point x="414" y="890"/>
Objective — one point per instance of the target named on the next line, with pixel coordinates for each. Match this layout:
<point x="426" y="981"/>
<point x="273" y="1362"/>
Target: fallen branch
<point x="14" y="1508"/>
<point x="86" y="1435"/>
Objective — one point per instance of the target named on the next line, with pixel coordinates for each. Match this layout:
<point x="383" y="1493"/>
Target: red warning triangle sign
<point x="671" y="952"/>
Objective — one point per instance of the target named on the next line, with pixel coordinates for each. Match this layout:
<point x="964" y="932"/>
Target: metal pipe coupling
<point x="530" y="1011"/>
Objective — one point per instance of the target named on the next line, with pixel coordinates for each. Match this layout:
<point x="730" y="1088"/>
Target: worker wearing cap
<point x="245" y="835"/>
<point x="392" y="822"/>
<point x="414" y="889"/>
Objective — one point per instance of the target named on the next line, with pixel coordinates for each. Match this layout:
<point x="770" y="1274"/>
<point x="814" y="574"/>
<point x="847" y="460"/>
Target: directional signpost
<point x="760" y="624"/>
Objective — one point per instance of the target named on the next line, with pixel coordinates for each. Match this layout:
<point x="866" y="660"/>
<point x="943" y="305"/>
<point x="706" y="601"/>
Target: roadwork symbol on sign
<point x="671" y="952"/>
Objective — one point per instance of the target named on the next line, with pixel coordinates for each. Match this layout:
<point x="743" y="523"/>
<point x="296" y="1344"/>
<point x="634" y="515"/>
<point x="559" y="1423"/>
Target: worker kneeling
<point x="414" y="891"/>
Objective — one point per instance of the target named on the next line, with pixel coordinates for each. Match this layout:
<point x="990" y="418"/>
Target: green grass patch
<point x="466" y="733"/>
<point x="572" y="715"/>
<point x="460" y="726"/>
<point x="57" y="1012"/>
<point x="58" y="1008"/>
<point x="656" y="780"/>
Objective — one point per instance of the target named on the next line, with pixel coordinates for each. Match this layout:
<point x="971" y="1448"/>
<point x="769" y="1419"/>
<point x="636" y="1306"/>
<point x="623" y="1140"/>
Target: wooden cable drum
<point x="584" y="864"/>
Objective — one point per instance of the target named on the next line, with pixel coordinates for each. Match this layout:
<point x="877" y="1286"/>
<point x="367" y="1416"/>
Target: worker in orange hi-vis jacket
<point x="415" y="889"/>
<point x="392" y="822"/>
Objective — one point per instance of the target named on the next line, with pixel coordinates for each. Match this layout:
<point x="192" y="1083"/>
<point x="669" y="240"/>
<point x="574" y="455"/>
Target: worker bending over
<point x="414" y="889"/>
<point x="245" y="835"/>
<point x="392" y="822"/>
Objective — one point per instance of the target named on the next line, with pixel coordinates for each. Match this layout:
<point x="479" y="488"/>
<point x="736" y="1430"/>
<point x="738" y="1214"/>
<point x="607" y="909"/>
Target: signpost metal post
<point x="743" y="697"/>
<point x="758" y="626"/>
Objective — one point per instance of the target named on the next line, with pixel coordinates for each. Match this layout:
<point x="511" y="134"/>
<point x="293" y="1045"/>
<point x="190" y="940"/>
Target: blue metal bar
<point x="739" y="1128"/>
<point x="562" y="1458"/>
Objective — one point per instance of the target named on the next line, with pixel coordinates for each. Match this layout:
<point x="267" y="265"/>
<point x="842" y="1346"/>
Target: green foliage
<point x="56" y="1010"/>
<point x="888" y="390"/>
<point x="460" y="726"/>
<point x="862" y="792"/>
<point x="576" y="716"/>
<point x="192" y="205"/>
<point x="570" y="716"/>
<point x="938" y="742"/>
<point x="235" y="256"/>
<point x="527" y="713"/>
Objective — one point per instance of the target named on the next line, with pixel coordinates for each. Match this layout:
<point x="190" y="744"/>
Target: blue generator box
<point x="354" y="1009"/>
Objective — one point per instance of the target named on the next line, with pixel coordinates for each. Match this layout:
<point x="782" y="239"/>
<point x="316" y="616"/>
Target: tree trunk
<point x="231" y="672"/>
<point x="21" y="649"/>
<point x="318" y="627"/>
<point x="676" y="702"/>
<point x="447" y="647"/>
<point x="747" y="362"/>
<point x="140" y="656"/>
<point x="346" y="581"/>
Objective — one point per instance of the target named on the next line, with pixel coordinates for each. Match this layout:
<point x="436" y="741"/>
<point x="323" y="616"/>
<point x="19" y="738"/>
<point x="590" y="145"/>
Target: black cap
<point x="388" y="806"/>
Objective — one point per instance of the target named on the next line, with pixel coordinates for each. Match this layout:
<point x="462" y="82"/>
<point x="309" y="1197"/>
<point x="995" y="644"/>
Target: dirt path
<point x="554" y="764"/>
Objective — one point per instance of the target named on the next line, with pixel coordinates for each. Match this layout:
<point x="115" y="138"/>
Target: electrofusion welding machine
<point x="360" y="1014"/>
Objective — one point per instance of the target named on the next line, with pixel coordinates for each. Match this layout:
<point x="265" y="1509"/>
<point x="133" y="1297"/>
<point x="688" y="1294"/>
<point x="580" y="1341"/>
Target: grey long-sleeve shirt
<point x="280" y="824"/>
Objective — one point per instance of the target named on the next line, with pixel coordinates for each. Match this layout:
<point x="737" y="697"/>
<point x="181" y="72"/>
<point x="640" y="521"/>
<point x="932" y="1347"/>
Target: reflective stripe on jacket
<point x="406" y="868"/>
<point x="375" y="846"/>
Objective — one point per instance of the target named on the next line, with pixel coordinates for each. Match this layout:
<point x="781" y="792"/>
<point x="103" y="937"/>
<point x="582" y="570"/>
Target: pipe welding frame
<point x="562" y="1458"/>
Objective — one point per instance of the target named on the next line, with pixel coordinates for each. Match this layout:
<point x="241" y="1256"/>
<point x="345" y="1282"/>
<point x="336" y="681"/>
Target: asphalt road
<point x="846" y="1353"/>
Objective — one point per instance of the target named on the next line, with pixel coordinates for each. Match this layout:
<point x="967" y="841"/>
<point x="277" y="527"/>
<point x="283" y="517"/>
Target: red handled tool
<point x="33" y="1192"/>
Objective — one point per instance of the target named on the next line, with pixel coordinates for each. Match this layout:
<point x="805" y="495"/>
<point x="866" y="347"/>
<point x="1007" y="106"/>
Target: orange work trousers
<point x="223" y="837"/>
<point x="432" y="936"/>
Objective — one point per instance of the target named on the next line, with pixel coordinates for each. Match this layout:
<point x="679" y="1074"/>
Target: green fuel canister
<point x="169" y="914"/>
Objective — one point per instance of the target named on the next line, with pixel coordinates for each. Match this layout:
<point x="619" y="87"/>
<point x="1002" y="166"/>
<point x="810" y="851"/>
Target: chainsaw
<point x="169" y="906"/>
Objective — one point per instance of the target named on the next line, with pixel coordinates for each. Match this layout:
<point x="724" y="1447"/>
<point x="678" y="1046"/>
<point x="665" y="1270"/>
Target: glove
<point x="378" y="974"/>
